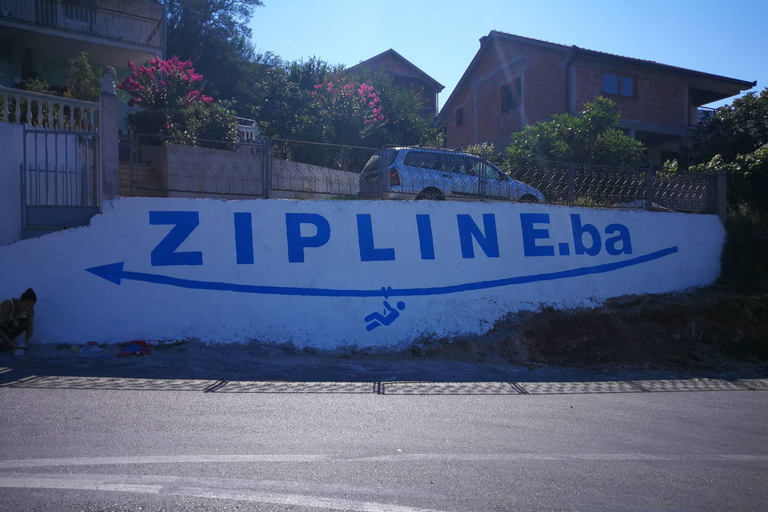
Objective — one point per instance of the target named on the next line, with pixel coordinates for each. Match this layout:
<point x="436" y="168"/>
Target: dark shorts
<point x="12" y="328"/>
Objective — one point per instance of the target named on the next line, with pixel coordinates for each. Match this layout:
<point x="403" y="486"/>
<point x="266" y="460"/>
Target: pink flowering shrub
<point x="173" y="104"/>
<point x="164" y="84"/>
<point x="351" y="111"/>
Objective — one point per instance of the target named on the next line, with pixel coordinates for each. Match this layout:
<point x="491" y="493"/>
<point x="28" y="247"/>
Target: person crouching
<point x="16" y="317"/>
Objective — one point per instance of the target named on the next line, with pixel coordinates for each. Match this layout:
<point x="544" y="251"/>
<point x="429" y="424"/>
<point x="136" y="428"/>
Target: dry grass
<point x="709" y="328"/>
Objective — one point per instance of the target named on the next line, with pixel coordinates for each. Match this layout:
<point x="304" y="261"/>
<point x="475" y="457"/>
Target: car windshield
<point x="376" y="160"/>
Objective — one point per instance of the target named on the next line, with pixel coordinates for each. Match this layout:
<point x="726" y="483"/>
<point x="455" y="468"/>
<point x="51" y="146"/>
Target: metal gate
<point x="59" y="179"/>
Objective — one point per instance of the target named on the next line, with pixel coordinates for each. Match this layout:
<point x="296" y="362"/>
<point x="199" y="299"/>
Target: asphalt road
<point x="121" y="444"/>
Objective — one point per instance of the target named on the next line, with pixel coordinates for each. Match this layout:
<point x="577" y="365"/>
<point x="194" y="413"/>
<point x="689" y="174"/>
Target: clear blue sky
<point x="442" y="37"/>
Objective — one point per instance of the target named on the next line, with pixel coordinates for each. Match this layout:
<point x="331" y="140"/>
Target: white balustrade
<point x="47" y="111"/>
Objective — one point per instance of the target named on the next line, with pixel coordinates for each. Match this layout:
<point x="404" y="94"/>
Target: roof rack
<point x="418" y="146"/>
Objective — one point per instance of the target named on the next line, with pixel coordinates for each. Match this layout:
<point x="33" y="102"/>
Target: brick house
<point x="407" y="76"/>
<point x="515" y="81"/>
<point x="38" y="37"/>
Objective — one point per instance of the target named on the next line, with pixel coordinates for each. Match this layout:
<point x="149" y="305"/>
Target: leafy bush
<point x="36" y="84"/>
<point x="747" y="180"/>
<point x="591" y="138"/>
<point x="173" y="106"/>
<point x="485" y="150"/>
<point x="165" y="84"/>
<point x="746" y="243"/>
<point x="735" y="140"/>
<point x="192" y="125"/>
<point x="349" y="111"/>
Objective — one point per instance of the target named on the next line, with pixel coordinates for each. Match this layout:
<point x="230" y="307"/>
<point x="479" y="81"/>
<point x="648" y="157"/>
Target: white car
<point x="438" y="174"/>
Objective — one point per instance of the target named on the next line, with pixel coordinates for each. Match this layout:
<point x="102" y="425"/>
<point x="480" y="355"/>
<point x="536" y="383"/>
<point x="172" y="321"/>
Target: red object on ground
<point x="135" y="348"/>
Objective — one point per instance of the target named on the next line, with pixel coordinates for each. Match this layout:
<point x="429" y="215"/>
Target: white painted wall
<point x="165" y="301"/>
<point x="11" y="159"/>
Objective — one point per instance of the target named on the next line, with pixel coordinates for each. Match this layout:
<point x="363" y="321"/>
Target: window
<point x="628" y="86"/>
<point x="452" y="163"/>
<point x="381" y="160"/>
<point x="493" y="172"/>
<point x="611" y="84"/>
<point x="510" y="95"/>
<point x="619" y="85"/>
<point x="479" y="167"/>
<point x="459" y="116"/>
<point x="421" y="159"/>
<point x="474" y="166"/>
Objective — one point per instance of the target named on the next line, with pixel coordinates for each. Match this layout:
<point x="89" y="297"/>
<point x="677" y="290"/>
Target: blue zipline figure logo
<point x="376" y="319"/>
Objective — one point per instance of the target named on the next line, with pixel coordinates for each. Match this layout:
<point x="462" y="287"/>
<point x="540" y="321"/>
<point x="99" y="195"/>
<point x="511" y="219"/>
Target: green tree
<point x="281" y="99"/>
<point x="82" y="81"/>
<point x="747" y="180"/>
<point x="735" y="140"/>
<point x="592" y="137"/>
<point x="404" y="122"/>
<point x="213" y="34"/>
<point x="282" y="108"/>
<point x="736" y="129"/>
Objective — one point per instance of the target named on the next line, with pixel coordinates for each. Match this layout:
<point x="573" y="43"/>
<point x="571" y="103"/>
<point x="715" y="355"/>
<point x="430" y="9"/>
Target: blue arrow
<point x="115" y="273"/>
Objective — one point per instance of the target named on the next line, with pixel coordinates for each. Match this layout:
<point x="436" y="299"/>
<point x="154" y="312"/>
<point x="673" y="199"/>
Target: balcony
<point x="75" y="18"/>
<point x="697" y="115"/>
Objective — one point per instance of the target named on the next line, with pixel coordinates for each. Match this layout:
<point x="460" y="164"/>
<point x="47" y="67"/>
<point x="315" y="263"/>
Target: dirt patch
<point x="709" y="328"/>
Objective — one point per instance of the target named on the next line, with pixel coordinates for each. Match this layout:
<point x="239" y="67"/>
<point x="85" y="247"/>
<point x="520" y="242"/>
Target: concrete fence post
<point x="109" y="119"/>
<point x="649" y="178"/>
<point x="721" y="197"/>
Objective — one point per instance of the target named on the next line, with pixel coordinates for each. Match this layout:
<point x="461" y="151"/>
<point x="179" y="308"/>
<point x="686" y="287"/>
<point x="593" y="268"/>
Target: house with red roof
<point x="407" y="76"/>
<point x="515" y="81"/>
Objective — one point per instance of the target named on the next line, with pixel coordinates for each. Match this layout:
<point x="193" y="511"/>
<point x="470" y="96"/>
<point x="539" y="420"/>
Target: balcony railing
<point x="699" y="114"/>
<point x="47" y="111"/>
<point x="106" y="23"/>
<point x="247" y="130"/>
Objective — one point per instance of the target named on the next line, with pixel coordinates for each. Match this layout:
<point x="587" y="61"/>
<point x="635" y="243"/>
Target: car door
<point x="454" y="169"/>
<point x="496" y="182"/>
<point x="477" y="171"/>
<point x="422" y="170"/>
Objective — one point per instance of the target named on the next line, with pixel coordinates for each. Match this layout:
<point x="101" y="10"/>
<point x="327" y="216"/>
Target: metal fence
<point x="164" y="166"/>
<point x="603" y="186"/>
<point x="315" y="169"/>
<point x="176" y="167"/>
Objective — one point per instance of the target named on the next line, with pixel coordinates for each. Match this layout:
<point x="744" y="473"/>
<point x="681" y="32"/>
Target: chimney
<point x="483" y="40"/>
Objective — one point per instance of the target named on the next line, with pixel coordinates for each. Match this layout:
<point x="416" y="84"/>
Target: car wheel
<point x="431" y="194"/>
<point x="528" y="198"/>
